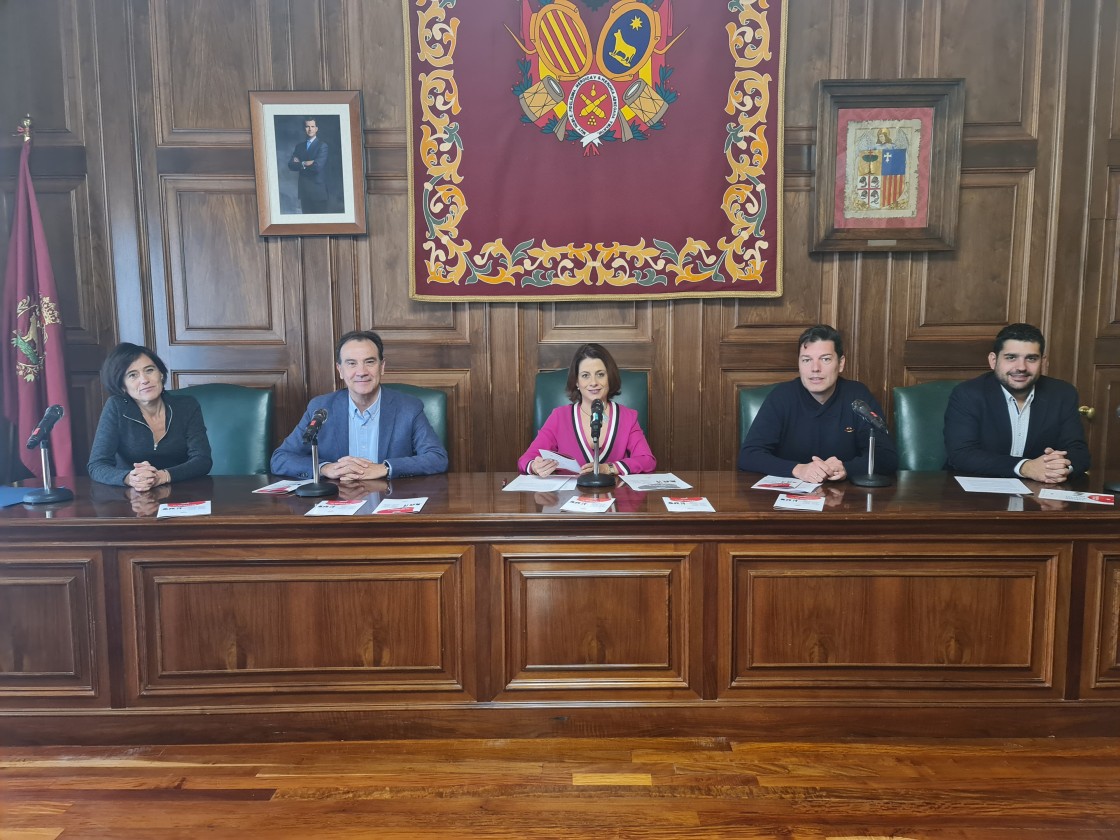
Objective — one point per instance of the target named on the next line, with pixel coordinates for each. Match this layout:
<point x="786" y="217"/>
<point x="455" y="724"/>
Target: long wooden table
<point x="907" y="610"/>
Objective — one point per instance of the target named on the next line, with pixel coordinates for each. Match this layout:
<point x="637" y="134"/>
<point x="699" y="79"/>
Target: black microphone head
<point x="597" y="407"/>
<point x="864" y="410"/>
<point x="51" y="416"/>
<point x="311" y="433"/>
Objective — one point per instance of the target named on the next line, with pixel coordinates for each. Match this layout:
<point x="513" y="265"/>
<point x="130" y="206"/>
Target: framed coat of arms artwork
<point x="888" y="165"/>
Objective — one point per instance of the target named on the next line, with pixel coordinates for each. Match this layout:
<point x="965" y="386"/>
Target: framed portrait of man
<point x="309" y="162"/>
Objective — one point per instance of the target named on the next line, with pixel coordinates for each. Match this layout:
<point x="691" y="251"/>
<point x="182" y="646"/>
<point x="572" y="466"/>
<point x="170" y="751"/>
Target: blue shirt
<point x="364" y="429"/>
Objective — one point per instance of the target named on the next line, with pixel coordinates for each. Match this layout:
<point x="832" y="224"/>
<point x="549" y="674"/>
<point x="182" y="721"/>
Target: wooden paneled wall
<point x="144" y="171"/>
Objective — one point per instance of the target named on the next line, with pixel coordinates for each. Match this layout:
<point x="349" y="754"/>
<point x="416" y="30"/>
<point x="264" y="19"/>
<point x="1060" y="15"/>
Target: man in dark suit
<point x="309" y="159"/>
<point x="1014" y="421"/>
<point x="370" y="432"/>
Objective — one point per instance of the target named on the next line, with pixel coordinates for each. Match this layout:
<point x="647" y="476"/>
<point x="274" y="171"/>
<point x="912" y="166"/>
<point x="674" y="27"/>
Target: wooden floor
<point x="572" y="789"/>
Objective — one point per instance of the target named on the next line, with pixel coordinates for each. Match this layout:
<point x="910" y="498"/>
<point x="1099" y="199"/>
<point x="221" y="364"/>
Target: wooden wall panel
<point x="1098" y="319"/>
<point x="935" y="618"/>
<point x="39" y="62"/>
<point x="144" y="118"/>
<point x="996" y="47"/>
<point x="1101" y="652"/>
<point x="981" y="286"/>
<point x="211" y="53"/>
<point x="226" y="624"/>
<point x="577" y="620"/>
<point x="223" y="284"/>
<point x="63" y="661"/>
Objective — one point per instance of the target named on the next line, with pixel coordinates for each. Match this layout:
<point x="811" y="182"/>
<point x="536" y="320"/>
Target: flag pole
<point x="11" y="457"/>
<point x="32" y="354"/>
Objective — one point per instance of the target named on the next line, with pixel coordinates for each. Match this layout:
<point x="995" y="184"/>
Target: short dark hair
<point x="117" y="362"/>
<point x="1019" y="332"/>
<point x="593" y="351"/>
<point x="359" y="335"/>
<point x="311" y="119"/>
<point x="822" y="332"/>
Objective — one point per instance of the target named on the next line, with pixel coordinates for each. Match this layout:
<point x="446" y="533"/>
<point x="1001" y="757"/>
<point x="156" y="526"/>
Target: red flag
<point x="32" y="363"/>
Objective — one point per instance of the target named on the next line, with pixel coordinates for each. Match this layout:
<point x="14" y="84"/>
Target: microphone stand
<point x="318" y="487"/>
<point x="595" y="478"/>
<point x="47" y="493"/>
<point x="870" y="479"/>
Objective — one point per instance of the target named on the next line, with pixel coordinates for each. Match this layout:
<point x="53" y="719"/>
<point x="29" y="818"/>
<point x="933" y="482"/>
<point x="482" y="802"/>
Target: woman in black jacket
<point x="146" y="437"/>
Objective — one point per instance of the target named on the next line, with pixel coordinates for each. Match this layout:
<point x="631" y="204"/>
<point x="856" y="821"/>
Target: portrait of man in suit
<point x="309" y="159"/>
<point x="309" y="164"/>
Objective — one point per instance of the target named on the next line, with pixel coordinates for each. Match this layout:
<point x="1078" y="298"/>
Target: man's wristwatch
<point x="388" y="469"/>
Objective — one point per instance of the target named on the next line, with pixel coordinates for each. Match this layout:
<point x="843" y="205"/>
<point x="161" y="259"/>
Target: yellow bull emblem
<point x="623" y="53"/>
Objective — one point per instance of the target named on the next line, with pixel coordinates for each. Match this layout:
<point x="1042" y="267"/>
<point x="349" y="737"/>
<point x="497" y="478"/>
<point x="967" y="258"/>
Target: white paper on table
<point x="655" y="481"/>
<point x="279" y="488"/>
<point x="563" y="461"/>
<point x="536" y="484"/>
<point x="587" y="504"/>
<point x="1077" y="496"/>
<point x="799" y="502"/>
<point x="784" y="484"/>
<point x="168" y="510"/>
<point x="401" y="505"/>
<point x="993" y="485"/>
<point x="336" y="507"/>
<point x="680" y="504"/>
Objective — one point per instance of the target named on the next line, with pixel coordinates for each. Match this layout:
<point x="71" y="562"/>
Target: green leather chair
<point x="919" y="424"/>
<point x="750" y="401"/>
<point x="549" y="392"/>
<point x="435" y="406"/>
<point x="238" y="424"/>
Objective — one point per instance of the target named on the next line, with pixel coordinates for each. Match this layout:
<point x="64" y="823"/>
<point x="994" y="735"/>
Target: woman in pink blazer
<point x="623" y="449"/>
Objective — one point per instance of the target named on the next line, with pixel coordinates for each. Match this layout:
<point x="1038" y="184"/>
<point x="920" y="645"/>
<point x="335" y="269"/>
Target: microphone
<point x="52" y="416"/>
<point x="315" y="425"/>
<point x="316" y="487"/>
<point x="864" y="410"/>
<point x="596" y="419"/>
<point x="869" y="478"/>
<point x="595" y="478"/>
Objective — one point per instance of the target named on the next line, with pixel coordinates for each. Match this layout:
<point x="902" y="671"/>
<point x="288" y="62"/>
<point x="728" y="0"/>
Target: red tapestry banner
<point x="590" y="149"/>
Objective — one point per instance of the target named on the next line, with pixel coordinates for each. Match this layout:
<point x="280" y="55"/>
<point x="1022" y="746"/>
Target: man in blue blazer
<point x="370" y="431"/>
<point x="1014" y="421"/>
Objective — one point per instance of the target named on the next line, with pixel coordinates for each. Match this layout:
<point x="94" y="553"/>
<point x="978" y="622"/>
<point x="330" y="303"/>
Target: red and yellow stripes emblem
<point x="561" y="40"/>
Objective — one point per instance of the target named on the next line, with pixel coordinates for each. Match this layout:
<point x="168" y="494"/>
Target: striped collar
<point x="606" y="436"/>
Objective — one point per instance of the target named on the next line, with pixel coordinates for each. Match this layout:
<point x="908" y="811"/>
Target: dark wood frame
<point x="262" y="108"/>
<point x="946" y="97"/>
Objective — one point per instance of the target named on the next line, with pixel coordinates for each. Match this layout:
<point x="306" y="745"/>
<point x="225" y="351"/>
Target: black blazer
<point x="978" y="427"/>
